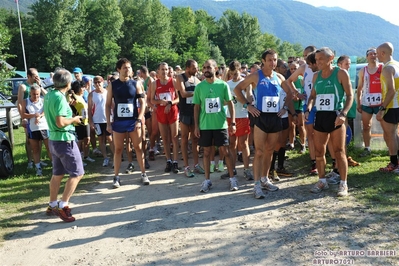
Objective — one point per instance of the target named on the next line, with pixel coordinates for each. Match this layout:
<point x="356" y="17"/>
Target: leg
<point x="164" y="129"/>
<point x="119" y="139"/>
<point x="184" y="130"/>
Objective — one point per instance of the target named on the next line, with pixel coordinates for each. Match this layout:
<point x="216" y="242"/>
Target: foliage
<point x="5" y="72"/>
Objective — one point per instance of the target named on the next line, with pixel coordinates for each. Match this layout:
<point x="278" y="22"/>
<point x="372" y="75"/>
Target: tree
<point x="239" y="36"/>
<point x="5" y="72"/>
<point x="183" y="29"/>
<point x="104" y="22"/>
<point x="60" y="33"/>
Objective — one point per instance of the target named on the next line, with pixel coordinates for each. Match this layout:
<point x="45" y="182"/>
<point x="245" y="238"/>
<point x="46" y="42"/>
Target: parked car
<point x="15" y="116"/>
<point x="12" y="86"/>
<point x="6" y="157"/>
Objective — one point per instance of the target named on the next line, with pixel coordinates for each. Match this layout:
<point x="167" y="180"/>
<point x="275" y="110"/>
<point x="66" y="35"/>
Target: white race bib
<point x="372" y="99"/>
<point x="189" y="100"/>
<point x="270" y="104"/>
<point x="325" y="102"/>
<point x="212" y="105"/>
<point x="165" y="96"/>
<point x="125" y="110"/>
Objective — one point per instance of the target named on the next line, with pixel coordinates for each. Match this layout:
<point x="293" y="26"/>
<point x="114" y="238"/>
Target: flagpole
<point x="22" y="38"/>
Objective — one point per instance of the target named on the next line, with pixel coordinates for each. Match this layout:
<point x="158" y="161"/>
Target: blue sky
<point x="385" y="9"/>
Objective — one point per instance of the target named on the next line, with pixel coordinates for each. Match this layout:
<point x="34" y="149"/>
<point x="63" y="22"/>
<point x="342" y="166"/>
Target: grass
<point x="25" y="193"/>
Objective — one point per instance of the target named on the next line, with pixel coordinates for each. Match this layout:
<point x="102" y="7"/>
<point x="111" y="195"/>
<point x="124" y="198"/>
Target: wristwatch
<point x="245" y="105"/>
<point x="233" y="124"/>
<point x="285" y="107"/>
<point x="170" y="102"/>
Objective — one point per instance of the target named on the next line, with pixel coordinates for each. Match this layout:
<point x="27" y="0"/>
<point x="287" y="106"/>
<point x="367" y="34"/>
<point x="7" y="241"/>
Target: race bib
<point x="212" y="105"/>
<point x="189" y="100"/>
<point x="125" y="110"/>
<point x="165" y="96"/>
<point x="270" y="104"/>
<point x="372" y="99"/>
<point x="325" y="102"/>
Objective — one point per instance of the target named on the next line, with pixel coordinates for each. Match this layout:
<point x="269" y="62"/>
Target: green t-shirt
<point x="55" y="104"/>
<point x="298" y="105"/>
<point x="211" y="98"/>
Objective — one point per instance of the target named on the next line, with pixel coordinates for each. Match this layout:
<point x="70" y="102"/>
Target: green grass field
<point x="25" y="193"/>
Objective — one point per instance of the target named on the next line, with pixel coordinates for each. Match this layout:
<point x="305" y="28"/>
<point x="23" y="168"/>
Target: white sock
<point x="213" y="162"/>
<point x="264" y="179"/>
<point x="38" y="165"/>
<point x="345" y="183"/>
<point x="53" y="204"/>
<point x="62" y="204"/>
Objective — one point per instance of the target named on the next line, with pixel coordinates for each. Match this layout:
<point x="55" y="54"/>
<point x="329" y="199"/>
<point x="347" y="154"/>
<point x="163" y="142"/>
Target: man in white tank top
<point x="96" y="112"/>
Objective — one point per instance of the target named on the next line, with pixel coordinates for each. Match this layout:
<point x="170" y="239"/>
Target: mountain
<point x="345" y="32"/>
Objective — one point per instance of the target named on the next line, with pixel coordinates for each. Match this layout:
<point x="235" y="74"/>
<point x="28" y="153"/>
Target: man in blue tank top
<point x="267" y="112"/>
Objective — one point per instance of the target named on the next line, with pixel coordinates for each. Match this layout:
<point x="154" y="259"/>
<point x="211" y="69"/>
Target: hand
<point x="301" y="96"/>
<point x="197" y="132"/>
<point x="282" y="112"/>
<point x="232" y="129"/>
<point x="109" y="128"/>
<point x="306" y="116"/>
<point x="359" y="109"/>
<point x="167" y="108"/>
<point x="380" y="115"/>
<point x="295" y="119"/>
<point x="253" y="110"/>
<point x="340" y="120"/>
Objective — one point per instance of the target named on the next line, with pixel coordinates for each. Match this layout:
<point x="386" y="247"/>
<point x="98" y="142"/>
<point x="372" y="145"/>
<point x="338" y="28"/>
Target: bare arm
<point x="90" y="108"/>
<point x="243" y="85"/>
<point x="344" y="79"/>
<point x="142" y="101"/>
<point x="20" y="99"/>
<point x="62" y="121"/>
<point x="197" y="109"/>
<point x="388" y="73"/>
<point x="108" y="104"/>
<point x="181" y="88"/>
<point x="359" y="91"/>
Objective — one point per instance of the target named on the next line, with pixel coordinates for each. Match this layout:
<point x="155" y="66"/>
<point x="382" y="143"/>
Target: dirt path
<point x="171" y="223"/>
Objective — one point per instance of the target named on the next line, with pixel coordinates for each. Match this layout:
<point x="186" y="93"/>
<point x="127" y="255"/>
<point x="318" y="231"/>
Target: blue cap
<point x="77" y="70"/>
<point x="86" y="79"/>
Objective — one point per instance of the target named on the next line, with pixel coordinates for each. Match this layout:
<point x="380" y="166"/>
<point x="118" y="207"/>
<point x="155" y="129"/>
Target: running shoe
<point x="319" y="187"/>
<point x="333" y="178"/>
<point x="313" y="170"/>
<point x="342" y="190"/>
<point x="283" y="172"/>
<point x="233" y="184"/>
<point x="39" y="172"/>
<point x="389" y="168"/>
<point x="43" y="164"/>
<point x="151" y="155"/>
<point x="106" y="162"/>
<point x="30" y="165"/>
<point x="206" y="186"/>
<point x="248" y="175"/>
<point x="145" y="179"/>
<point x="175" y="168"/>
<point x="239" y="157"/>
<point x="130" y="168"/>
<point x="220" y="166"/>
<point x="268" y="186"/>
<point x="117" y="182"/>
<point x="168" y="167"/>
<point x="212" y="168"/>
<point x="89" y="159"/>
<point x="188" y="172"/>
<point x="198" y="169"/>
<point x="258" y="193"/>
<point x="226" y="175"/>
<point x="352" y="162"/>
<point x="64" y="213"/>
<point x="366" y="152"/>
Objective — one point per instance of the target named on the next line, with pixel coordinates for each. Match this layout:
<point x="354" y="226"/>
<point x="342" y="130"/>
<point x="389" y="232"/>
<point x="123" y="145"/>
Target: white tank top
<point x="240" y="111"/>
<point x="34" y="108"/>
<point x="98" y="111"/>
<point x="308" y="81"/>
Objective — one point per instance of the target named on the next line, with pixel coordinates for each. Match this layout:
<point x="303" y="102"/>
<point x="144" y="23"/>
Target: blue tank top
<point x="124" y="94"/>
<point x="266" y="90"/>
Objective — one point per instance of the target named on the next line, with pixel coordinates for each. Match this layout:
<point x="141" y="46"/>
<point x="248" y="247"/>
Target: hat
<point x="371" y="50"/>
<point x="86" y="79"/>
<point x="77" y="70"/>
<point x="177" y="66"/>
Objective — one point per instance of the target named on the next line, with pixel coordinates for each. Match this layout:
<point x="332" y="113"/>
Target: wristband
<point x="382" y="108"/>
<point x="233" y="124"/>
<point x="139" y="121"/>
<point x="170" y="102"/>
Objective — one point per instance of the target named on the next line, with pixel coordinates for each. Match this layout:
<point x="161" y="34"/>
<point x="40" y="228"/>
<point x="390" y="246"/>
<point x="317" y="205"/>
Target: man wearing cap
<point x="369" y="95"/>
<point x="178" y="69"/>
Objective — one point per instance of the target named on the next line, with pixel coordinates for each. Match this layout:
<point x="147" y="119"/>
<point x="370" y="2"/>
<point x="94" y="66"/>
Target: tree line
<point x="93" y="34"/>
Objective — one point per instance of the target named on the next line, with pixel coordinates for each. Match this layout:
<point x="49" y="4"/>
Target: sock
<point x="345" y="183"/>
<point x="220" y="161"/>
<point x="170" y="161"/>
<point x="274" y="158"/>
<point x="394" y="159"/>
<point x="323" y="180"/>
<point x="281" y="158"/>
<point x="213" y="162"/>
<point x="62" y="204"/>
<point x="368" y="148"/>
<point x="264" y="179"/>
<point x="174" y="161"/>
<point x="37" y="165"/>
<point x="240" y="152"/>
<point x="314" y="163"/>
<point x="257" y="183"/>
<point x="53" y="204"/>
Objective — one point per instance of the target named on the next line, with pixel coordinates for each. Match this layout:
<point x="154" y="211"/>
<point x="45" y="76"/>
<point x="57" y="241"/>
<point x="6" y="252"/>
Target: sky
<point x="385" y="9"/>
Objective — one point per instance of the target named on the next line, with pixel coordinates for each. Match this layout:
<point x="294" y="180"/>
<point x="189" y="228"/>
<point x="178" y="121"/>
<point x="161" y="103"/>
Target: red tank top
<point x="165" y="92"/>
<point x="374" y="80"/>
